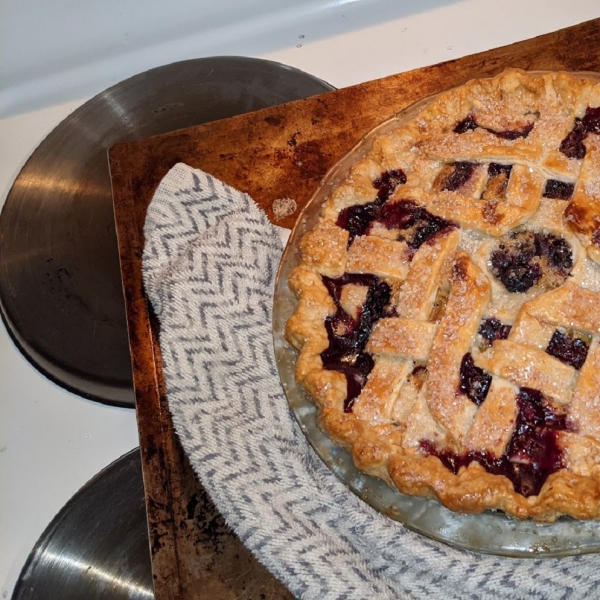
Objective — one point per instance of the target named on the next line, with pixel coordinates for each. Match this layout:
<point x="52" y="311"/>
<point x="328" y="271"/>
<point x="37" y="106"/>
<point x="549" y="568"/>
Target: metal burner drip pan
<point x="60" y="282"/>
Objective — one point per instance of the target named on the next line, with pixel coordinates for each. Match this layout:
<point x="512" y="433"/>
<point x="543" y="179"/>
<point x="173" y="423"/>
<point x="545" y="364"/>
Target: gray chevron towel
<point x="209" y="263"/>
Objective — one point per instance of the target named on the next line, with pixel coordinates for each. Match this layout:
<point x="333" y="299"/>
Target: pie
<point x="448" y="300"/>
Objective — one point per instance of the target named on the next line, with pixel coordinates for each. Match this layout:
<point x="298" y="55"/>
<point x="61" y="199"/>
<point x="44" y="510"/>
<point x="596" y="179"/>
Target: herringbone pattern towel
<point x="209" y="268"/>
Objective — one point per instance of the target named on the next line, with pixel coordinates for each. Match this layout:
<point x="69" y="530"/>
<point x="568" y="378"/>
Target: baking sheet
<point x="256" y="153"/>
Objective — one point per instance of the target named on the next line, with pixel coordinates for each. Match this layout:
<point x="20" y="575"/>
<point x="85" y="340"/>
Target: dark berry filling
<point x="591" y="119"/>
<point x="357" y="219"/>
<point x="348" y="337"/>
<point x="514" y="134"/>
<point x="532" y="453"/>
<point x="454" y="462"/>
<point x="572" y="146"/>
<point x="523" y="257"/>
<point x="405" y="215"/>
<point x="460" y="173"/>
<point x="493" y="329"/>
<point x="497" y="169"/>
<point x="388" y="182"/>
<point x="469" y="123"/>
<point x="515" y="272"/>
<point x="420" y="223"/>
<point x="557" y="250"/>
<point x="559" y="190"/>
<point x="570" y="350"/>
<point x="474" y="382"/>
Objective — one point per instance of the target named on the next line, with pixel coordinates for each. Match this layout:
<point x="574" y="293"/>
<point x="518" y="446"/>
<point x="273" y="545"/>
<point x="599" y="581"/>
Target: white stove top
<point x="54" y="59"/>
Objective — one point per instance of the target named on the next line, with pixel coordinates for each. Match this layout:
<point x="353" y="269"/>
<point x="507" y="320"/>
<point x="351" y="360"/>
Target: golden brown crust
<point x="531" y="367"/>
<point x="416" y="407"/>
<point x="324" y="249"/>
<point x="469" y="297"/>
<point x="373" y="254"/>
<point x="495" y="420"/>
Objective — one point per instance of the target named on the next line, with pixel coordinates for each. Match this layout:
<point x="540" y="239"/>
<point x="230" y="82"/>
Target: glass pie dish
<point x="489" y="532"/>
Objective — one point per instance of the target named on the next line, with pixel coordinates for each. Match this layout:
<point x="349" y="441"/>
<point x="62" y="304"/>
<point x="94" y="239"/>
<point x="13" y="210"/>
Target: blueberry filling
<point x="469" y="123"/>
<point x="474" y="382"/>
<point x="454" y="462"/>
<point x="497" y="169"/>
<point x="532" y="453"/>
<point x="570" y="350"/>
<point x="458" y="175"/>
<point x="348" y="337"/>
<point x="421" y="226"/>
<point x="559" y="190"/>
<point x="403" y="215"/>
<point x="591" y="119"/>
<point x="558" y="251"/>
<point x="357" y="219"/>
<point x="514" y="134"/>
<point x="493" y="329"/>
<point x="572" y="146"/>
<point x="523" y="257"/>
<point x="388" y="182"/>
<point x="516" y="272"/>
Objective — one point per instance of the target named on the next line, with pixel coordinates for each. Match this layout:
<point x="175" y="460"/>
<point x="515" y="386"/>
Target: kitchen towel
<point x="209" y="265"/>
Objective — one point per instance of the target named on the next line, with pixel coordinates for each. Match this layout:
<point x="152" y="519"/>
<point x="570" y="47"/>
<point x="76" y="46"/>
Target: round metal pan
<point x="60" y="283"/>
<point x="97" y="547"/>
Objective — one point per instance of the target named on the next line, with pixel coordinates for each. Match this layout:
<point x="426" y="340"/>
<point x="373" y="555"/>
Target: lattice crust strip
<point x="448" y="316"/>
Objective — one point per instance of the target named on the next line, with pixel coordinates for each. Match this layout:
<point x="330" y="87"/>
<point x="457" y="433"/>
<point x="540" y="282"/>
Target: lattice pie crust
<point x="448" y="316"/>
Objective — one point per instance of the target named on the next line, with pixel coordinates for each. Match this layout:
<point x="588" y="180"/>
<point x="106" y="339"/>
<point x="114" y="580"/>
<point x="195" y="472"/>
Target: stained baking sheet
<point x="278" y="152"/>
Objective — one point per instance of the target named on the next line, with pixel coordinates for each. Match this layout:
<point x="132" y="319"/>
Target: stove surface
<point x="53" y="441"/>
